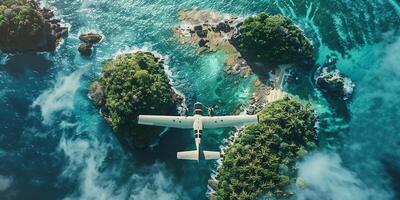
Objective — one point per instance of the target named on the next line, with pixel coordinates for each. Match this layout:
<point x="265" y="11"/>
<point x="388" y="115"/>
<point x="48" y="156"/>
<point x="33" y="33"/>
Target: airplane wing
<point x="166" y="121"/>
<point x="228" y="121"/>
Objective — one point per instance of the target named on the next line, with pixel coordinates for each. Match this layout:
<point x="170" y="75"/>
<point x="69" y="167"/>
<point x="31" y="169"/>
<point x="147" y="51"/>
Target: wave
<point x="100" y="176"/>
<point x="5" y="183"/>
<point x="60" y="98"/>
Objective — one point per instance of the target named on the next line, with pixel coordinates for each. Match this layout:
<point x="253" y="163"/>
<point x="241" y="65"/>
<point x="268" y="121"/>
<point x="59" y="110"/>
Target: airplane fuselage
<point x="198" y="126"/>
<point x="198" y="130"/>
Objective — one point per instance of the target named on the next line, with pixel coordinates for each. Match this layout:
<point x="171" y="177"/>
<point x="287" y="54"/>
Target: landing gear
<point x="184" y="110"/>
<point x="211" y="110"/>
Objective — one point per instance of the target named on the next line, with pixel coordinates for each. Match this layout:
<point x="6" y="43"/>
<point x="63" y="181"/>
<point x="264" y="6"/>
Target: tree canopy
<point x="130" y="85"/>
<point x="262" y="161"/>
<point x="273" y="39"/>
<point x="22" y="25"/>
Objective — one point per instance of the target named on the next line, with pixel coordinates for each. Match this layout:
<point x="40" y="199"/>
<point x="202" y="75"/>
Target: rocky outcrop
<point x="332" y="83"/>
<point x="26" y="27"/>
<point x="89" y="39"/>
<point x="236" y="64"/>
<point x="85" y="49"/>
<point x="210" y="30"/>
<point x="213" y="184"/>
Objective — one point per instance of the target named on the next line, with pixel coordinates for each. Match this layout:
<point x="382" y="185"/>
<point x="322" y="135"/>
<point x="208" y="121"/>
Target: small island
<point x="261" y="162"/>
<point x="130" y="85"/>
<point x="332" y="82"/>
<point x="26" y="27"/>
<point x="259" y="42"/>
<point x="273" y="39"/>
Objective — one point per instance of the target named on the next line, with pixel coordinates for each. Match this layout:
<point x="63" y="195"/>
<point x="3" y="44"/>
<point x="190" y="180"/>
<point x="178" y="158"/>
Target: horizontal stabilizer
<point x="211" y="155"/>
<point x="188" y="155"/>
<point x="194" y="155"/>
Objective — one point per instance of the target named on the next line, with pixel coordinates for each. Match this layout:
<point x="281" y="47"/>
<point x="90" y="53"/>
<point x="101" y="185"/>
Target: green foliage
<point x="274" y="39"/>
<point x="21" y="24"/>
<point x="135" y="84"/>
<point x="262" y="161"/>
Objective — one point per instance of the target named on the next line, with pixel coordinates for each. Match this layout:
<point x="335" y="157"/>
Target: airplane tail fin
<point x="212" y="155"/>
<point x="194" y="155"/>
<point x="188" y="155"/>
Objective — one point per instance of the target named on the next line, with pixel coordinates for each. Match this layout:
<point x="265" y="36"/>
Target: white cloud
<point x="100" y="179"/>
<point x="156" y="185"/>
<point x="5" y="182"/>
<point x="326" y="178"/>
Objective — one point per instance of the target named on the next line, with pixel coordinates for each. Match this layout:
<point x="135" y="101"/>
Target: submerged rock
<point x="25" y="27"/>
<point x="90" y="38"/>
<point x="332" y="83"/>
<point x="130" y="85"/>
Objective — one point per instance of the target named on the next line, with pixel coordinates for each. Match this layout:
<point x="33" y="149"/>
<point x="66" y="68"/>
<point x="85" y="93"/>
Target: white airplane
<point x="198" y="122"/>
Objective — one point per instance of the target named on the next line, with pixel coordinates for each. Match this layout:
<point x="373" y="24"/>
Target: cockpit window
<point x="198" y="106"/>
<point x="198" y="112"/>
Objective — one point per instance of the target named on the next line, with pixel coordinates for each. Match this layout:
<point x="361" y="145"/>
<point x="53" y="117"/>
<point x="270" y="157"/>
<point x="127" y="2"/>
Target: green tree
<point x="262" y="161"/>
<point x="22" y="25"/>
<point x="273" y="39"/>
<point x="133" y="84"/>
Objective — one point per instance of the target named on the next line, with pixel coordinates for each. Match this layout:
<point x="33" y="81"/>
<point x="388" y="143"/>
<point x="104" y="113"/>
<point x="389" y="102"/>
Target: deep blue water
<point x="55" y="145"/>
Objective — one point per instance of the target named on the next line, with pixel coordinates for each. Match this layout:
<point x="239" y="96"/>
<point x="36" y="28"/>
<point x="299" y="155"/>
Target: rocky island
<point x="332" y="82"/>
<point x="261" y="162"/>
<point x="88" y="39"/>
<point x="133" y="84"/>
<point x="259" y="42"/>
<point x="26" y="27"/>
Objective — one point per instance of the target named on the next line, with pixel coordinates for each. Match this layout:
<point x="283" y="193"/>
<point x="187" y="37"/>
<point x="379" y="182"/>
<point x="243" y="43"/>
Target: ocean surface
<point x="55" y="145"/>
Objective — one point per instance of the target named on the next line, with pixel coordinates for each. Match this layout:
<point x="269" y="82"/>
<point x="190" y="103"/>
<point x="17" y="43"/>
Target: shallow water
<point x="54" y="144"/>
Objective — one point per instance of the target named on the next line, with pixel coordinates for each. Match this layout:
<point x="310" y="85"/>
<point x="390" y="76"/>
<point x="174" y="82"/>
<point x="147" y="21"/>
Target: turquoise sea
<point x="55" y="145"/>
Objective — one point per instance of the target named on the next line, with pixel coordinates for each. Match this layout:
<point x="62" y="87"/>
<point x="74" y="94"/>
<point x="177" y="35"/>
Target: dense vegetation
<point x="22" y="25"/>
<point x="130" y="85"/>
<point x="261" y="162"/>
<point x="273" y="39"/>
